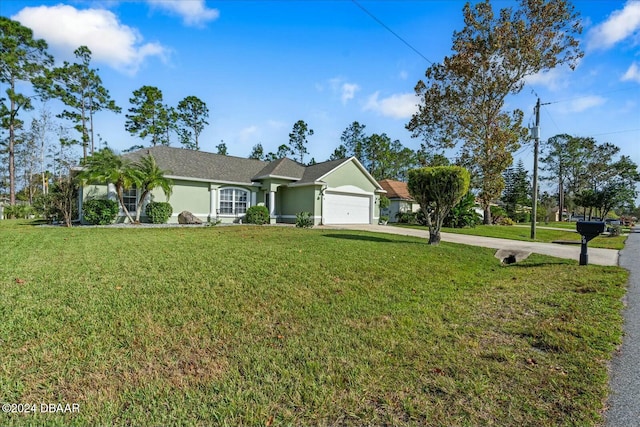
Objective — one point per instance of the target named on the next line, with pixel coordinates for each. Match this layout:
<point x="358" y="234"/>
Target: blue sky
<point x="262" y="65"/>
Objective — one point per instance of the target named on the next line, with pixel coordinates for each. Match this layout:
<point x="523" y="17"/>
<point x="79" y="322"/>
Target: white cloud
<point x="276" y="124"/>
<point x="344" y="89"/>
<point x="620" y="25"/>
<point x="581" y="104"/>
<point x="398" y="106"/>
<point x="632" y="74"/>
<point x="248" y="134"/>
<point x="348" y="91"/>
<point x="193" y="12"/>
<point x="110" y="41"/>
<point x="553" y="79"/>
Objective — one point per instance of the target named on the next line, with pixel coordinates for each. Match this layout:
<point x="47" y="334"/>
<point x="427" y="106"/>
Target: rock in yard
<point x="511" y="256"/>
<point x="186" y="217"/>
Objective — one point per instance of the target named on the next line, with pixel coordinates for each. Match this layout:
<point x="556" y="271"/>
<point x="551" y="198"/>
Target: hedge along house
<point x="215" y="187"/>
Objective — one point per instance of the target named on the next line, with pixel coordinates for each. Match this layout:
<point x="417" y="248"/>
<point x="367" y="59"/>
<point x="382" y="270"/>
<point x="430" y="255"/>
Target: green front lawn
<point x="524" y="234"/>
<point x="257" y="325"/>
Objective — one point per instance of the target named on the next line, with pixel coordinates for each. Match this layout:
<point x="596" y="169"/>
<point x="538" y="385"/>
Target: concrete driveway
<point x="597" y="256"/>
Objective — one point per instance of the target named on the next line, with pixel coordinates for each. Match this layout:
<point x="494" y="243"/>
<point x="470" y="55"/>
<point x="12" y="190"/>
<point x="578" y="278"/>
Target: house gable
<point x="350" y="173"/>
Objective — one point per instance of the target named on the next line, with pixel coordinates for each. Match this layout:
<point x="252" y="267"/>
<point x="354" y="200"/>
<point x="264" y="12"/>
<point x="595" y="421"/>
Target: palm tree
<point x="150" y="176"/>
<point x="105" y="166"/>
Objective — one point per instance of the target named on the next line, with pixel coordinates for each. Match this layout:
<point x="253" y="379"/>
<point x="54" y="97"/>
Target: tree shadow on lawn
<point x="368" y="238"/>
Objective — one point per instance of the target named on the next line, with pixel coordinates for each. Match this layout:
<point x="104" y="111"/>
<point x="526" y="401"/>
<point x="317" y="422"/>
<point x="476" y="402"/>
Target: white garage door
<point x="346" y="209"/>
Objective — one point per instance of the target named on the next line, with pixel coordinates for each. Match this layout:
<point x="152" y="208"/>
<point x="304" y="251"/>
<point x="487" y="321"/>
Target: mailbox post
<point x="588" y="230"/>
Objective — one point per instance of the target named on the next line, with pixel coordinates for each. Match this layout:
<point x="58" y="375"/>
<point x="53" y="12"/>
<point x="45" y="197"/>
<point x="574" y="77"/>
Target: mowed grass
<point x="272" y="325"/>
<point x="513" y="232"/>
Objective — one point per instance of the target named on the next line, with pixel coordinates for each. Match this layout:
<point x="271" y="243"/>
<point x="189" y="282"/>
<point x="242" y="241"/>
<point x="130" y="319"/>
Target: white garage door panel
<point x="346" y="209"/>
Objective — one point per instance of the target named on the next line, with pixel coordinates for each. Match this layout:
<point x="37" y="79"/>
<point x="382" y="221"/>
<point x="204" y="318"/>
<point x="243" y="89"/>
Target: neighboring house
<point x="215" y="187"/>
<point x="400" y="201"/>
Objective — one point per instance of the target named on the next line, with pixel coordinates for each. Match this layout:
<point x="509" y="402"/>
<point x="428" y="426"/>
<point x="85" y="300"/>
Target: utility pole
<point x="534" y="197"/>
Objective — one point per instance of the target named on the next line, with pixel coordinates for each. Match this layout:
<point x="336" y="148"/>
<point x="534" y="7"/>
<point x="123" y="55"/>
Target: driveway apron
<point x="624" y="401"/>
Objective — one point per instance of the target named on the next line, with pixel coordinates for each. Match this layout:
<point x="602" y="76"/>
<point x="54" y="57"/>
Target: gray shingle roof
<point x="284" y="167"/>
<point x="202" y="165"/>
<point x="180" y="162"/>
<point x="314" y="172"/>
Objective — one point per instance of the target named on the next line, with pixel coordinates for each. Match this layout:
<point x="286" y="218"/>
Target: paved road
<point x="597" y="256"/>
<point x="624" y="402"/>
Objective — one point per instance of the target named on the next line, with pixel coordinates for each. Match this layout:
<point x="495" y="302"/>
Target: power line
<point x="586" y="96"/>
<point x="617" y="131"/>
<point x="551" y="118"/>
<point x="391" y="31"/>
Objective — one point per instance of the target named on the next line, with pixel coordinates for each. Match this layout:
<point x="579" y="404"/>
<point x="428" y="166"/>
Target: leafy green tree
<point x="618" y="191"/>
<point x="462" y="100"/>
<point x="222" y="148"/>
<point x="22" y="59"/>
<point x="80" y="88"/>
<point x="339" y="153"/>
<point x="147" y="177"/>
<point x="426" y="157"/>
<point x="148" y="115"/>
<point x="257" y="152"/>
<point x="105" y="166"/>
<point x="517" y="189"/>
<point x="587" y="199"/>
<point x="283" y="151"/>
<point x="384" y="158"/>
<point x="464" y="213"/>
<point x="353" y="140"/>
<point x="437" y="189"/>
<point x="170" y="117"/>
<point x="581" y="166"/>
<point x="555" y="160"/>
<point x="192" y="115"/>
<point x="62" y="199"/>
<point x="298" y="139"/>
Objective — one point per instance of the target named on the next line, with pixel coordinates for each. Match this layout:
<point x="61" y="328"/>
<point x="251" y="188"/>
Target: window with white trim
<point x="130" y="199"/>
<point x="233" y="201"/>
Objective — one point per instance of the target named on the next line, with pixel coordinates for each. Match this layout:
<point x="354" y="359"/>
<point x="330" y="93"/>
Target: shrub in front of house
<point x="407" y="217"/>
<point x="18" y="212"/>
<point x="257" y="215"/>
<point x="497" y="213"/>
<point x="615" y="230"/>
<point x="304" y="220"/>
<point x="158" y="212"/>
<point x="505" y="220"/>
<point x="463" y="214"/>
<point x="99" y="211"/>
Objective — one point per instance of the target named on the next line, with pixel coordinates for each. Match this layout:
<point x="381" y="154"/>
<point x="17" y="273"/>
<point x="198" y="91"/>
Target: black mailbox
<point x="588" y="230"/>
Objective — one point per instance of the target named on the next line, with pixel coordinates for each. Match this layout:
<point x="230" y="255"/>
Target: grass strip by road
<point x="254" y="325"/>
<point x="524" y="234"/>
